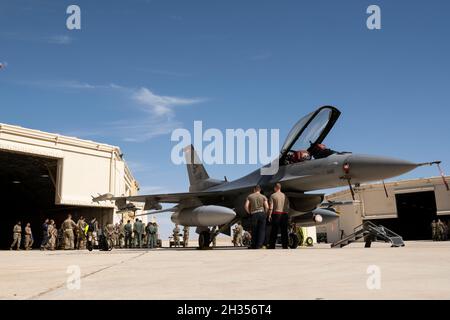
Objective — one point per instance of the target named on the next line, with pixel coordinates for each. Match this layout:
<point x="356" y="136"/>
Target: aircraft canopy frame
<point x="311" y="129"/>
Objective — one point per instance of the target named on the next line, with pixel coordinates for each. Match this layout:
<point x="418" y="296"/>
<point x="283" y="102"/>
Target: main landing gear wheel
<point x="309" y="241"/>
<point x="204" y="239"/>
<point x="293" y="241"/>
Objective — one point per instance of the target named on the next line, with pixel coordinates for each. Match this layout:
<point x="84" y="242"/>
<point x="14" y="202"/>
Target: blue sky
<point x="138" y="69"/>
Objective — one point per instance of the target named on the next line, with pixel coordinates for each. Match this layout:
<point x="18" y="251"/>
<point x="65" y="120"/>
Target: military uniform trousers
<point x="128" y="240"/>
<point x="69" y="241"/>
<point x="17" y="238"/>
<point x="28" y="241"/>
<point x="258" y="229"/>
<point x="279" y="223"/>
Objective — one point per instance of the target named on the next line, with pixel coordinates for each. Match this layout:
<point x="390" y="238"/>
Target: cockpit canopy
<point x="309" y="132"/>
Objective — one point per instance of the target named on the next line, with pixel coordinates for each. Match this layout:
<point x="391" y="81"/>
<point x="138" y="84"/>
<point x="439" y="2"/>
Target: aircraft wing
<point x="152" y="201"/>
<point x="174" y="197"/>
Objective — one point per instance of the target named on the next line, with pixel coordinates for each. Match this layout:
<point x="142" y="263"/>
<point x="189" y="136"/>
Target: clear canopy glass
<point x="308" y="130"/>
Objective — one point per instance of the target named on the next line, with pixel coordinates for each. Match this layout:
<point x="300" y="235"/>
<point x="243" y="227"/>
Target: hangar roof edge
<point x="34" y="133"/>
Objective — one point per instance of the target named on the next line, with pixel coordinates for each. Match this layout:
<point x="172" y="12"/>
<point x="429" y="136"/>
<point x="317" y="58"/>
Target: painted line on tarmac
<point x="61" y="286"/>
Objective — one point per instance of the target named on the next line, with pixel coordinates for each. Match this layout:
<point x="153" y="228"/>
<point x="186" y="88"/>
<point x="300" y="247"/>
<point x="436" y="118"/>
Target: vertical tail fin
<point x="195" y="168"/>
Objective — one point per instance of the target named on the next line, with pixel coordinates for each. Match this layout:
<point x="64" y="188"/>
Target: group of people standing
<point x="275" y="210"/>
<point x="138" y="235"/>
<point x="77" y="235"/>
<point x="49" y="241"/>
<point x="241" y="237"/>
<point x="439" y="230"/>
<point x="176" y="236"/>
<point x="17" y="236"/>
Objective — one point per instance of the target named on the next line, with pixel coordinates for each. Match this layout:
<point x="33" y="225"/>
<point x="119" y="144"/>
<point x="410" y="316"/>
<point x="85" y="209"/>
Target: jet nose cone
<point x="364" y="168"/>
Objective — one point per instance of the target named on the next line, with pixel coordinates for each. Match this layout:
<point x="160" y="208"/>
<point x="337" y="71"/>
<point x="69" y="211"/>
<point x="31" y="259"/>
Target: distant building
<point x="408" y="209"/>
<point x="49" y="175"/>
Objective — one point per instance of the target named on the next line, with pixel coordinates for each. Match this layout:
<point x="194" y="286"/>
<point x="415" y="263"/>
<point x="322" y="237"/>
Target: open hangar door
<point x="27" y="191"/>
<point x="415" y="212"/>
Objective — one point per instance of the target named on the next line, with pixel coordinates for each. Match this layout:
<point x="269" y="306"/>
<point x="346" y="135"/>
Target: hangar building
<point x="49" y="175"/>
<point x="408" y="208"/>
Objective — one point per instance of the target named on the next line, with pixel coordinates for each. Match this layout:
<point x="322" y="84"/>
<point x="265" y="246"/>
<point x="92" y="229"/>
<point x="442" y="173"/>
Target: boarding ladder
<point x="369" y="231"/>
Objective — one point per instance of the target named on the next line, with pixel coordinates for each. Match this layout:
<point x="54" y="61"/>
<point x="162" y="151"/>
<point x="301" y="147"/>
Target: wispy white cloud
<point x="143" y="129"/>
<point x="68" y="84"/>
<point x="59" y="39"/>
<point x="84" y="85"/>
<point x="71" y="85"/>
<point x="162" y="105"/>
<point x="159" y="118"/>
<point x="157" y="105"/>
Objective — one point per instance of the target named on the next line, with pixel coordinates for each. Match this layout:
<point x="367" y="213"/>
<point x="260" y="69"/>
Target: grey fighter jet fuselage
<point x="305" y="165"/>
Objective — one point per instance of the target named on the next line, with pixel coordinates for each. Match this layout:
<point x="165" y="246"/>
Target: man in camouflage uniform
<point x="52" y="235"/>
<point x="44" y="234"/>
<point x="445" y="236"/>
<point x="17" y="235"/>
<point x="186" y="236"/>
<point x="155" y="235"/>
<point x="81" y="235"/>
<point x="138" y="232"/>
<point x="60" y="241"/>
<point x="128" y="229"/>
<point x="116" y="235"/>
<point x="28" y="237"/>
<point x="69" y="239"/>
<point x="121" y="235"/>
<point x="434" y="230"/>
<point x="109" y="234"/>
<point x="440" y="228"/>
<point x="151" y="235"/>
<point x="176" y="236"/>
<point x="237" y="235"/>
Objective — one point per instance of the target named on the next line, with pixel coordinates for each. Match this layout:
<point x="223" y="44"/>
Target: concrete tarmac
<point x="420" y="270"/>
